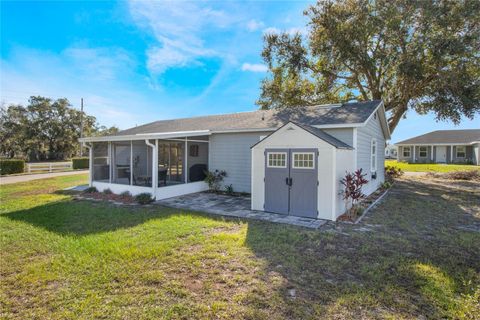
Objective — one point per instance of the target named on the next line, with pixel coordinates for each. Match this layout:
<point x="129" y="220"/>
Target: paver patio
<point x="234" y="206"/>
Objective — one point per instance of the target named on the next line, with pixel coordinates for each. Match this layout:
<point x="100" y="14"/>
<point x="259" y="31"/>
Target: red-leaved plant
<point x="352" y="193"/>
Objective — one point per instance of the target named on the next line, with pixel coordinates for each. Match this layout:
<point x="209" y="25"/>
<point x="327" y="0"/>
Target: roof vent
<point x="330" y="105"/>
<point x="263" y="116"/>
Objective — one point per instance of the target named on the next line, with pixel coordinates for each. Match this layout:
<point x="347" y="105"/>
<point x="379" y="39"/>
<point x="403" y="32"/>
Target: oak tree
<point x="419" y="55"/>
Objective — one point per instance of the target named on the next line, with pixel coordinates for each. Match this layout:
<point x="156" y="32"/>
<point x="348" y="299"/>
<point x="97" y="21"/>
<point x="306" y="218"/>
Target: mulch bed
<point x="123" y="199"/>
<point x="363" y="205"/>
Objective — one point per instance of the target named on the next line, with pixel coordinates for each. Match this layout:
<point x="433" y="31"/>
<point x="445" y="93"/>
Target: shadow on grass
<point x="408" y="258"/>
<point x="84" y="218"/>
<point x="412" y="260"/>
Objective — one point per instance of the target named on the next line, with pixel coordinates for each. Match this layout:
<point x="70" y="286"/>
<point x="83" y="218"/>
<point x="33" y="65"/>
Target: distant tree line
<point x="45" y="129"/>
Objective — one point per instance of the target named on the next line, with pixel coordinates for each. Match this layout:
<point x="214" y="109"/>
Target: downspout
<point x="90" y="163"/>
<point x="154" y="166"/>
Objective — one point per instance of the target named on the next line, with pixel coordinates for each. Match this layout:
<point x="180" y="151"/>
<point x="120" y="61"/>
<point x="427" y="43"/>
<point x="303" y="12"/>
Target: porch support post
<point x="154" y="165"/>
<point x="186" y="160"/>
<point x="109" y="161"/>
<point x="451" y="153"/>
<point x="131" y="162"/>
<point x="413" y="160"/>
<point x="431" y="153"/>
<point x="90" y="163"/>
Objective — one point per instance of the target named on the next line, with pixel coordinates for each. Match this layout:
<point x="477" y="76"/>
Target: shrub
<point x="11" y="166"/>
<point x="352" y="193"/>
<point x="107" y="191"/>
<point x="214" y="179"/>
<point x="386" y="185"/>
<point x="144" y="198"/>
<point x="229" y="189"/>
<point x="126" y="194"/>
<point x="80" y="163"/>
<point x="392" y="172"/>
<point x="90" y="190"/>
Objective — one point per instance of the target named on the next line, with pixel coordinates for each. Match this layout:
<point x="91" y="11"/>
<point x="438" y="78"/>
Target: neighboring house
<point x="391" y="151"/>
<point x="291" y="160"/>
<point x="442" y="146"/>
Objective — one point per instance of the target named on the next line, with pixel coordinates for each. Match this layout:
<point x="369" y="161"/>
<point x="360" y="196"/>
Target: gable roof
<point x="319" y="133"/>
<point x="445" y="137"/>
<point x="333" y="114"/>
<point x="324" y="136"/>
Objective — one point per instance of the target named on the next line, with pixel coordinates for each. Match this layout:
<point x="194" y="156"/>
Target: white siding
<point x="373" y="129"/>
<point x="342" y="134"/>
<point x="231" y="152"/>
<point x="297" y="138"/>
<point x="476" y="154"/>
<point x="344" y="162"/>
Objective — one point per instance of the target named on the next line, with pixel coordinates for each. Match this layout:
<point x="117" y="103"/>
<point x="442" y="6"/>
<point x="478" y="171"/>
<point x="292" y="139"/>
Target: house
<point x="291" y="160"/>
<point x="442" y="146"/>
<point x="391" y="151"/>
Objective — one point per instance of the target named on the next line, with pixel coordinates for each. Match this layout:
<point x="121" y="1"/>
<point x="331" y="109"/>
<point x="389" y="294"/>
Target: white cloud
<point x="104" y="77"/>
<point x="254" y="25"/>
<point x="254" y="67"/>
<point x="100" y="63"/>
<point x="179" y="29"/>
<point x="271" y="30"/>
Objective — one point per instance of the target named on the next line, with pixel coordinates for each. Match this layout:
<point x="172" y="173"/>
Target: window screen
<point x="423" y="152"/>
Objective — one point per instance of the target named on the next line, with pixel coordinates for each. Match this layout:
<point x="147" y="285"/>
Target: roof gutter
<point x="144" y="136"/>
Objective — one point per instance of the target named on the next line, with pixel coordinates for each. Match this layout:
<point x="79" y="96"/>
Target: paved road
<point x="29" y="177"/>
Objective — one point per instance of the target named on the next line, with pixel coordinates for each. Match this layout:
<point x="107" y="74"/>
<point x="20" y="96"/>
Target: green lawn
<point x="415" y="255"/>
<point x="430" y="167"/>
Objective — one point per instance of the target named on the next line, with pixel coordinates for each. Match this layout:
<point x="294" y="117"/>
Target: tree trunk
<point x="397" y="114"/>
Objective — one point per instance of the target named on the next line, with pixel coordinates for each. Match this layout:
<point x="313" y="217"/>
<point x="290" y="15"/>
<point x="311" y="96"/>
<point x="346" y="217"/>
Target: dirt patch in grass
<point x="413" y="256"/>
<point x="126" y="199"/>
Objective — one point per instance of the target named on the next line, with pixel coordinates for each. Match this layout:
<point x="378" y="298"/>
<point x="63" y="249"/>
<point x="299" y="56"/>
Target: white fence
<point x="48" y="167"/>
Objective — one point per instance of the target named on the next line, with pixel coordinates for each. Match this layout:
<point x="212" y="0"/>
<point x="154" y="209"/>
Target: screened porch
<point x="157" y="166"/>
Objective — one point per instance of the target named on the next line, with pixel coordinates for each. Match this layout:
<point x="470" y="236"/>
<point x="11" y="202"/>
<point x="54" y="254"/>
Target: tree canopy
<point x="45" y="129"/>
<point x="420" y="55"/>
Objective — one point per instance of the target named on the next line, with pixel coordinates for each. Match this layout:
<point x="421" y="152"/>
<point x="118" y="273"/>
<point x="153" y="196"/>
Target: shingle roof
<point x="319" y="133"/>
<point x="348" y="113"/>
<point x="445" y="136"/>
<point x="325" y="136"/>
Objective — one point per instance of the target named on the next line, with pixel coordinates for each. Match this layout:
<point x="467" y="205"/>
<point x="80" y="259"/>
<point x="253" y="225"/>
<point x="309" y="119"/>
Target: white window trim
<point x="464" y="151"/>
<point x="420" y="151"/>
<point x="409" y="152"/>
<point x="307" y="168"/>
<point x="268" y="158"/>
<point x="373" y="155"/>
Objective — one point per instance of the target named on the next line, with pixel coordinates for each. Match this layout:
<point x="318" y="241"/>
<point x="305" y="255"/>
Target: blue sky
<point x="136" y="62"/>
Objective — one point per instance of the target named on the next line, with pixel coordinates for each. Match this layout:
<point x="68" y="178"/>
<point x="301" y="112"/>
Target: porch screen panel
<point x="142" y="164"/>
<point x="101" y="162"/>
<point x="170" y="163"/>
<point x="121" y="162"/>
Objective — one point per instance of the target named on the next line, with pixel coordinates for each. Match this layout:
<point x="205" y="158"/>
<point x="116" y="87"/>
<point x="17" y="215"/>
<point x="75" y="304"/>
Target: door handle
<point x="286" y="181"/>
<point x="290" y="182"/>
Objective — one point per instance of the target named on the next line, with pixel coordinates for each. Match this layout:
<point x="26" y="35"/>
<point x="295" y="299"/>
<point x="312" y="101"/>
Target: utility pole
<point x="81" y="126"/>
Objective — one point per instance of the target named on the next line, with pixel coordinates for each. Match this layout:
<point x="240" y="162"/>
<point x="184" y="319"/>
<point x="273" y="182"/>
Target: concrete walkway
<point x="29" y="177"/>
<point x="234" y="207"/>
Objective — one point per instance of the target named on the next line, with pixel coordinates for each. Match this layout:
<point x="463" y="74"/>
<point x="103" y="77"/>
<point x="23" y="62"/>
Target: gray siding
<point x="373" y="129"/>
<point x="342" y="134"/>
<point x="231" y="152"/>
